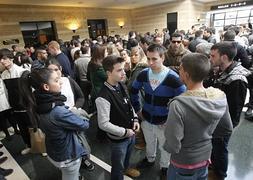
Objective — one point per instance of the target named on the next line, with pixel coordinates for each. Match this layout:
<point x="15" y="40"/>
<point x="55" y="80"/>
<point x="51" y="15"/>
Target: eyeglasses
<point x="178" y="42"/>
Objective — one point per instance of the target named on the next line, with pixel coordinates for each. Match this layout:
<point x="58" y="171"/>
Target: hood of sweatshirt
<point x="210" y="102"/>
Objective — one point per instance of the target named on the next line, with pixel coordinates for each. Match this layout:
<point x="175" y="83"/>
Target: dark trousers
<point x="86" y="89"/>
<point x="219" y="156"/>
<point x="120" y="157"/>
<point x="250" y="86"/>
<point x="23" y="124"/>
<point x="4" y="123"/>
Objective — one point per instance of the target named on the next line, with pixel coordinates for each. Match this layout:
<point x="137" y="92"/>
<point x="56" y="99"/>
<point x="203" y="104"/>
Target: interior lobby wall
<point x="11" y="15"/>
<point x="140" y="19"/>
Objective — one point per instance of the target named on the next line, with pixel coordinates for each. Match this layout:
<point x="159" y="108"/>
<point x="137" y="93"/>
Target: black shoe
<point x="144" y="164"/>
<point x="16" y="131"/>
<point x="87" y="164"/>
<point x="1" y="145"/>
<point x="163" y="175"/>
<point x="3" y="159"/>
<point x="6" y="172"/>
<point x="8" y="138"/>
<point x="1" y="153"/>
<point x="250" y="118"/>
<point x="249" y="112"/>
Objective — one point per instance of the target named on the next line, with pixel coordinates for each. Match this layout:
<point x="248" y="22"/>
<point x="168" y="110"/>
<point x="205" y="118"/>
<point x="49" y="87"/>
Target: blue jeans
<point x="175" y="173"/>
<point x="219" y="156"/>
<point x="71" y="172"/>
<point x="120" y="156"/>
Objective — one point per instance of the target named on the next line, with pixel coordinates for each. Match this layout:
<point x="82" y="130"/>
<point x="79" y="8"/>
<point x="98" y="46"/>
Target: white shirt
<point x="14" y="72"/>
<point x="66" y="90"/>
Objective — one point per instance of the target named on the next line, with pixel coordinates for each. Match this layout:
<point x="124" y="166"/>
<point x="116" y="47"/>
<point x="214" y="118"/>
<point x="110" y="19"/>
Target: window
<point x="38" y="33"/>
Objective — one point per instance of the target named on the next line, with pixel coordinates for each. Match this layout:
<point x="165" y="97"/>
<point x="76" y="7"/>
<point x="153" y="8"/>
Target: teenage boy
<point x="117" y="118"/>
<point x="193" y="117"/>
<point x="159" y="84"/>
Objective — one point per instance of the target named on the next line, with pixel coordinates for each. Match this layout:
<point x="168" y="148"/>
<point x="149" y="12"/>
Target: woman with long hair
<point x="58" y="123"/>
<point x="96" y="74"/>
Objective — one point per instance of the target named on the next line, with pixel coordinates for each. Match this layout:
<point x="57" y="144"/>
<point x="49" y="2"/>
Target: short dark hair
<point x="176" y="34"/>
<point x="229" y="35"/>
<point x="110" y="61"/>
<point x="13" y="47"/>
<point x="6" y="53"/>
<point x="209" y="30"/>
<point x="85" y="49"/>
<point x="146" y="40"/>
<point x="198" y="33"/>
<point x="39" y="50"/>
<point x="226" y="48"/>
<point x="235" y="28"/>
<point x="196" y="65"/>
<point x="156" y="48"/>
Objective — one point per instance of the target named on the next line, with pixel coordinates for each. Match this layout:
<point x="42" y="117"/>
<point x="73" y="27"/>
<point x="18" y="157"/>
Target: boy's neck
<point x="111" y="82"/>
<point x="195" y="86"/>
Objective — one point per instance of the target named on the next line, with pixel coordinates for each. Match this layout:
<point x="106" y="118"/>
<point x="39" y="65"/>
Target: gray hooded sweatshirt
<point x="193" y="117"/>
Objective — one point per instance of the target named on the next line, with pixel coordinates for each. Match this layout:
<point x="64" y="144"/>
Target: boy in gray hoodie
<point x="193" y="117"/>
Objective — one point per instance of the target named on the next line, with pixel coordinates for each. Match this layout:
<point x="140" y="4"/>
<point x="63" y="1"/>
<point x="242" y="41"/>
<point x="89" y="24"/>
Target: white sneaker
<point x="44" y="154"/>
<point x="25" y="151"/>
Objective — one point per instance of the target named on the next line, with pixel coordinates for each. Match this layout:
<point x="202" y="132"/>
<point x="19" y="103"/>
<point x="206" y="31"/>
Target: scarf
<point x="47" y="101"/>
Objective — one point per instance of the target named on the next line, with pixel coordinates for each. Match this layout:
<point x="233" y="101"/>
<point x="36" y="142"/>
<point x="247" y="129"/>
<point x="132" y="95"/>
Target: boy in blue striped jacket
<point x="160" y="84"/>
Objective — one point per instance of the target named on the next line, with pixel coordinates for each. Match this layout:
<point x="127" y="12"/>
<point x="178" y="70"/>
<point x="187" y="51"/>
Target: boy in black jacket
<point x="117" y="118"/>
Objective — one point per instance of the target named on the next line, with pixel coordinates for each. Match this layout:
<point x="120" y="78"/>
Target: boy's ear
<point x="45" y="87"/>
<point x="108" y="73"/>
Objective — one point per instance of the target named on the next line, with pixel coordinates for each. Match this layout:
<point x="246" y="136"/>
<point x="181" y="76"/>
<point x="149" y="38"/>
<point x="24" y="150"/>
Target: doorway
<point x="172" y="22"/>
<point x="38" y="33"/>
<point x="97" y="27"/>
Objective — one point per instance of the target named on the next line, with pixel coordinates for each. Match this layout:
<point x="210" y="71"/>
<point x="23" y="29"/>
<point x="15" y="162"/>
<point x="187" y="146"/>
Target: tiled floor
<point x="38" y="167"/>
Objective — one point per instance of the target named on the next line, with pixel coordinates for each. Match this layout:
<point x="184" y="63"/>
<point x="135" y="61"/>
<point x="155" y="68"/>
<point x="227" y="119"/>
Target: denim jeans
<point x="219" y="157"/>
<point x="120" y="156"/>
<point x="175" y="173"/>
<point x="71" y="172"/>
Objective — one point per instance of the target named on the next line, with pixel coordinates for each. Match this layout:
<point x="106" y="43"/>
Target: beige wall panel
<point x="11" y="15"/>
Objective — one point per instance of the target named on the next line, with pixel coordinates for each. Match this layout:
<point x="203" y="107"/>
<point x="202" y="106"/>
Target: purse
<point x="37" y="140"/>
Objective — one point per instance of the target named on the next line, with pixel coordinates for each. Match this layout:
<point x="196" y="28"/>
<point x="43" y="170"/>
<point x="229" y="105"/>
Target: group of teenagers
<point x="190" y="122"/>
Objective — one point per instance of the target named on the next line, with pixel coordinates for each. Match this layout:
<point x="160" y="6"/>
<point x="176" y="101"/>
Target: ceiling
<point x="121" y="4"/>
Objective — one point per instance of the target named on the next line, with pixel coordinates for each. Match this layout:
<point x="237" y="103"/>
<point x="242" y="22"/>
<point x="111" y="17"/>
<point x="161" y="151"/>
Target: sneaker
<point x="145" y="163"/>
<point x="25" y="151"/>
<point x="132" y="172"/>
<point x="44" y="154"/>
<point x="87" y="164"/>
<point x="163" y="175"/>
<point x="249" y="112"/>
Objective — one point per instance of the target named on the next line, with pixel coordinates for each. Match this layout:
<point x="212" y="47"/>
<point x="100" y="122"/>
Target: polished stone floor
<point x="39" y="168"/>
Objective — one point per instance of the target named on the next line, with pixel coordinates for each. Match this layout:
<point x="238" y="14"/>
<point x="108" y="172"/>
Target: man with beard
<point x="41" y="57"/>
<point x="175" y="52"/>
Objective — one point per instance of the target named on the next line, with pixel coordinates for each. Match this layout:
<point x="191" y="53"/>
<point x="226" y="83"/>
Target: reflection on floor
<point x="38" y="168"/>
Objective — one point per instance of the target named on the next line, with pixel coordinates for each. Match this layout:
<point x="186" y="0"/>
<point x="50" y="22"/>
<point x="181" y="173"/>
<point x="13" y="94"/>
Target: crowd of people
<point x="181" y="91"/>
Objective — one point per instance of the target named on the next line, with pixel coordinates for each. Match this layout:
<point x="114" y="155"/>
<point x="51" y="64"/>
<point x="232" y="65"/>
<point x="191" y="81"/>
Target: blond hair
<point x="54" y="44"/>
